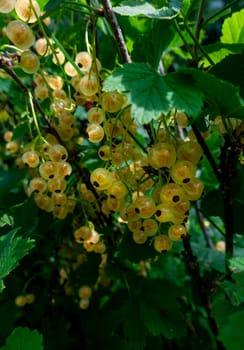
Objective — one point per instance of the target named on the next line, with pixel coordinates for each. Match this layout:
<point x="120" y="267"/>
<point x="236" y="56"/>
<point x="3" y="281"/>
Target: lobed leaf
<point x="233" y="29"/>
<point x="12" y="249"/>
<point x="22" y="338"/>
<point x="152" y="94"/>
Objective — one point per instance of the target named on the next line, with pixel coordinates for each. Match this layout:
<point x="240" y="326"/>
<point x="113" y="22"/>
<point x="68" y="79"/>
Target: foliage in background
<point x="182" y="56"/>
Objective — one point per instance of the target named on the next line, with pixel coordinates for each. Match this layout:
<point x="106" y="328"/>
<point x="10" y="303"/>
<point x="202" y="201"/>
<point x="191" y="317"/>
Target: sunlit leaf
<point x="135" y="8"/>
<point x="152" y="94"/>
<point x="233" y="29"/>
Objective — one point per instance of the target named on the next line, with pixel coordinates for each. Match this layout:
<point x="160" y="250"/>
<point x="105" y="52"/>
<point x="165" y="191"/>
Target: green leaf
<point x="12" y="249"/>
<point x="150" y="46"/>
<point x="231" y="69"/>
<point x="221" y="97"/>
<point x="152" y="94"/>
<point x="136" y="8"/>
<point x="21" y="130"/>
<point x="134" y="329"/>
<point x="237" y="263"/>
<point x="167" y="308"/>
<point x="186" y="5"/>
<point x="217" y="52"/>
<point x="184" y="94"/>
<point x="233" y="29"/>
<point x="8" y="179"/>
<point x="25" y="215"/>
<point x="231" y="334"/>
<point x="221" y="307"/>
<point x="5" y="85"/>
<point x="22" y="338"/>
<point x="52" y="5"/>
<point x="146" y="90"/>
<point x="6" y="219"/>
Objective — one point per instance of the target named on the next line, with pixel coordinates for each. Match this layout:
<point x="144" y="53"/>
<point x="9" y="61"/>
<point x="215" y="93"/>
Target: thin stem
<point x="33" y="112"/>
<point x="179" y="31"/>
<point x="205" y="229"/>
<point x="212" y="222"/>
<point x="206" y="151"/>
<point x="112" y="20"/>
<point x="197" y="45"/>
<point x="198" y="27"/>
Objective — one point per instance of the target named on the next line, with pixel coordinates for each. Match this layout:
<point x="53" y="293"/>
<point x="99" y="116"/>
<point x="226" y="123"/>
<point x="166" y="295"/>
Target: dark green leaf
<point x="21" y="130"/>
<point x="8" y="180"/>
<point x="184" y="95"/>
<point x="53" y="4"/>
<point x="237" y="263"/>
<point x="212" y="203"/>
<point x="232" y="70"/>
<point x="22" y="338"/>
<point x="12" y="249"/>
<point x="134" y="329"/>
<point x="25" y="215"/>
<point x="221" y="307"/>
<point x="150" y="46"/>
<point x="222" y="97"/>
<point x="231" y="333"/>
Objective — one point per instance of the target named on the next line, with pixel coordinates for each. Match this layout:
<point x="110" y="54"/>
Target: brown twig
<point x="112" y="20"/>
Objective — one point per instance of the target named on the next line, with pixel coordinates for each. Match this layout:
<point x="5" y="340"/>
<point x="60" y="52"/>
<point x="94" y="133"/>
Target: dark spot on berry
<point x="176" y="199"/>
<point x="112" y="196"/>
<point x="51" y="176"/>
<point x="63" y="157"/>
<point x="57" y="191"/>
<point x="36" y="191"/>
<point x="102" y="154"/>
<point x="185" y="181"/>
<point x="96" y="184"/>
<point x="137" y="210"/>
<point x="80" y="65"/>
<point x="158" y="213"/>
<point x="187" y="212"/>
